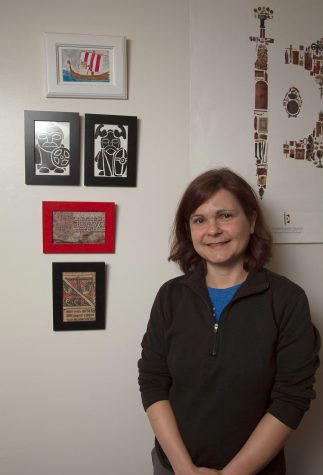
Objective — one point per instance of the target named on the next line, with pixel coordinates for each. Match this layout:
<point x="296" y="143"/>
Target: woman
<point x="230" y="353"/>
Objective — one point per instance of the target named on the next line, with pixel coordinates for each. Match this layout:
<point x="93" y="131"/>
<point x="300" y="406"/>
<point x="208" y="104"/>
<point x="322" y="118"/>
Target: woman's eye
<point x="198" y="220"/>
<point x="226" y="215"/>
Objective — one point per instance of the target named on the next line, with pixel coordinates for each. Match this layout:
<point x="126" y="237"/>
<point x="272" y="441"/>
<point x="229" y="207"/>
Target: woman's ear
<point x="253" y="222"/>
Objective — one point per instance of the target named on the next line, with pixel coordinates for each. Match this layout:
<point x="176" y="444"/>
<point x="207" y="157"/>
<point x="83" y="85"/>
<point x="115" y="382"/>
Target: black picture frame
<point x="52" y="148"/>
<point x="79" y="295"/>
<point x="110" y="150"/>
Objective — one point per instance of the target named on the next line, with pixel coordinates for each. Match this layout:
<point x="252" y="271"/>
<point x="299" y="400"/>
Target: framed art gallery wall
<point x="225" y="108"/>
<point x="69" y="401"/>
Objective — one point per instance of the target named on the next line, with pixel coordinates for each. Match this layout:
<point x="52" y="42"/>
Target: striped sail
<point x="92" y="61"/>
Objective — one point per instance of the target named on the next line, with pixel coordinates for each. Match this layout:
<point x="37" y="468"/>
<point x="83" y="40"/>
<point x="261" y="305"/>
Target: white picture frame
<point x="86" y="66"/>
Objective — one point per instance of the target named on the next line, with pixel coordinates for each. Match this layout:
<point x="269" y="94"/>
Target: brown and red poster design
<point x="261" y="98"/>
<point x="310" y="147"/>
<point x="79" y="296"/>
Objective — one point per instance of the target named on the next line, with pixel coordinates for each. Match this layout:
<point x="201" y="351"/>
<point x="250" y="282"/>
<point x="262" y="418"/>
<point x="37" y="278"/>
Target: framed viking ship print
<point x="110" y="150"/>
<point x="76" y="227"/>
<point x="52" y="148"/>
<point x="86" y="66"/>
<point x="78" y="295"/>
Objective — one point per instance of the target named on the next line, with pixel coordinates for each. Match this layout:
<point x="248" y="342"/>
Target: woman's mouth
<point x="217" y="244"/>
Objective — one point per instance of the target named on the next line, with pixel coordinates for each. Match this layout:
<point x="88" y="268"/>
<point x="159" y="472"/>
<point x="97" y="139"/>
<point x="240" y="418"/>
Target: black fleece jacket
<point x="262" y="358"/>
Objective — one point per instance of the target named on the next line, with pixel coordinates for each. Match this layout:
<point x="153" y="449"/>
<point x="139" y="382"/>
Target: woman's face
<point x="220" y="231"/>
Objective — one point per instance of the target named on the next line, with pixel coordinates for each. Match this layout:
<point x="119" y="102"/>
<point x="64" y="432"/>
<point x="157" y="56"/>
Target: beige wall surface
<point x="69" y="401"/>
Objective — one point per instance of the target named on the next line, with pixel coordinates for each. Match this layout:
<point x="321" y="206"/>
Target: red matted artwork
<point x="78" y="227"/>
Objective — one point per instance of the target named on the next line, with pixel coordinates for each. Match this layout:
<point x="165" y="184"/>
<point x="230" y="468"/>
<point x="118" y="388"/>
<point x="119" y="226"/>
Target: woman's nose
<point x="214" y="227"/>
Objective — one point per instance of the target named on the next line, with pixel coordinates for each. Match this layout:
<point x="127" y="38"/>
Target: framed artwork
<point x="76" y="227"/>
<point x="86" y="66"/>
<point x="78" y="295"/>
<point x="52" y="148"/>
<point x="110" y="150"/>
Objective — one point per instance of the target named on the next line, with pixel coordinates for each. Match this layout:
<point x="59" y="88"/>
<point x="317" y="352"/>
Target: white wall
<point x="69" y="400"/>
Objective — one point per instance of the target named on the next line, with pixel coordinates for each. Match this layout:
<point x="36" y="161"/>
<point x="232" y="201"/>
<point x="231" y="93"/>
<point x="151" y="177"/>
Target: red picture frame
<point x="78" y="227"/>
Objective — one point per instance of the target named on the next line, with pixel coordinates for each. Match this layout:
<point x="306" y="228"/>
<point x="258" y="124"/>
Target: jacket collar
<point x="256" y="282"/>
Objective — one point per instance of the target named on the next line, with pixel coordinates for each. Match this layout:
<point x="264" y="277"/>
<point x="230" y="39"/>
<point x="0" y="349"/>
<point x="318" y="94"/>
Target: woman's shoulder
<point x="174" y="282"/>
<point x="183" y="282"/>
<point x="282" y="285"/>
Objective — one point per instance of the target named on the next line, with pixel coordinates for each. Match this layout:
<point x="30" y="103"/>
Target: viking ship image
<point x="91" y="63"/>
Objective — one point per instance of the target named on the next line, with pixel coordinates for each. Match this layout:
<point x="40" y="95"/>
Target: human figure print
<point x="111" y="150"/>
<point x="51" y="150"/>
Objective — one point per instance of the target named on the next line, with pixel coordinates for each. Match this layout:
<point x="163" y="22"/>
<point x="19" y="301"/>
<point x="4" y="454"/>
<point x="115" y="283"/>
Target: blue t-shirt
<point x="220" y="299"/>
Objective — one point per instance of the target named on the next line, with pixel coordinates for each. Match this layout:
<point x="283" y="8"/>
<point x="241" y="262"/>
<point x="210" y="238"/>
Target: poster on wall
<point x="78" y="295"/>
<point x="78" y="227"/>
<point x="110" y="150"/>
<point x="86" y="66"/>
<point x="258" y="106"/>
<point x="52" y="148"/>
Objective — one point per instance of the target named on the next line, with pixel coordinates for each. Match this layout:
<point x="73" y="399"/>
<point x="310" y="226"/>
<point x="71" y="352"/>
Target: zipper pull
<point x="215" y="331"/>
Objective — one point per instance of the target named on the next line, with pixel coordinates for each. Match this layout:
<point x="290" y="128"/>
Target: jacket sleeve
<point x="154" y="378"/>
<point x="297" y="361"/>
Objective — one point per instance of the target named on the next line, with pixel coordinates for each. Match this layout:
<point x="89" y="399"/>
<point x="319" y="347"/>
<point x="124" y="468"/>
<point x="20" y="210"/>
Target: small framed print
<point x="52" y="148"/>
<point x="86" y="66"/>
<point x="110" y="150"/>
<point x="78" y="295"/>
<point x="77" y="227"/>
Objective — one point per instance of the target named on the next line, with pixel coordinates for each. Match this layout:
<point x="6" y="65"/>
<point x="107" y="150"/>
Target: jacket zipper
<point x="215" y="332"/>
<point x="215" y="340"/>
<point x="213" y="350"/>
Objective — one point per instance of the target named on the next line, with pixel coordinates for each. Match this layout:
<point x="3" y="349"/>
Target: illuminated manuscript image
<point x="261" y="98"/>
<point x="79" y="296"/>
<point x="71" y="227"/>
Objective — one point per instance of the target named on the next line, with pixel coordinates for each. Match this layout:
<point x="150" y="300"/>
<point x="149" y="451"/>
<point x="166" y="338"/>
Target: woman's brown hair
<point x="201" y="189"/>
